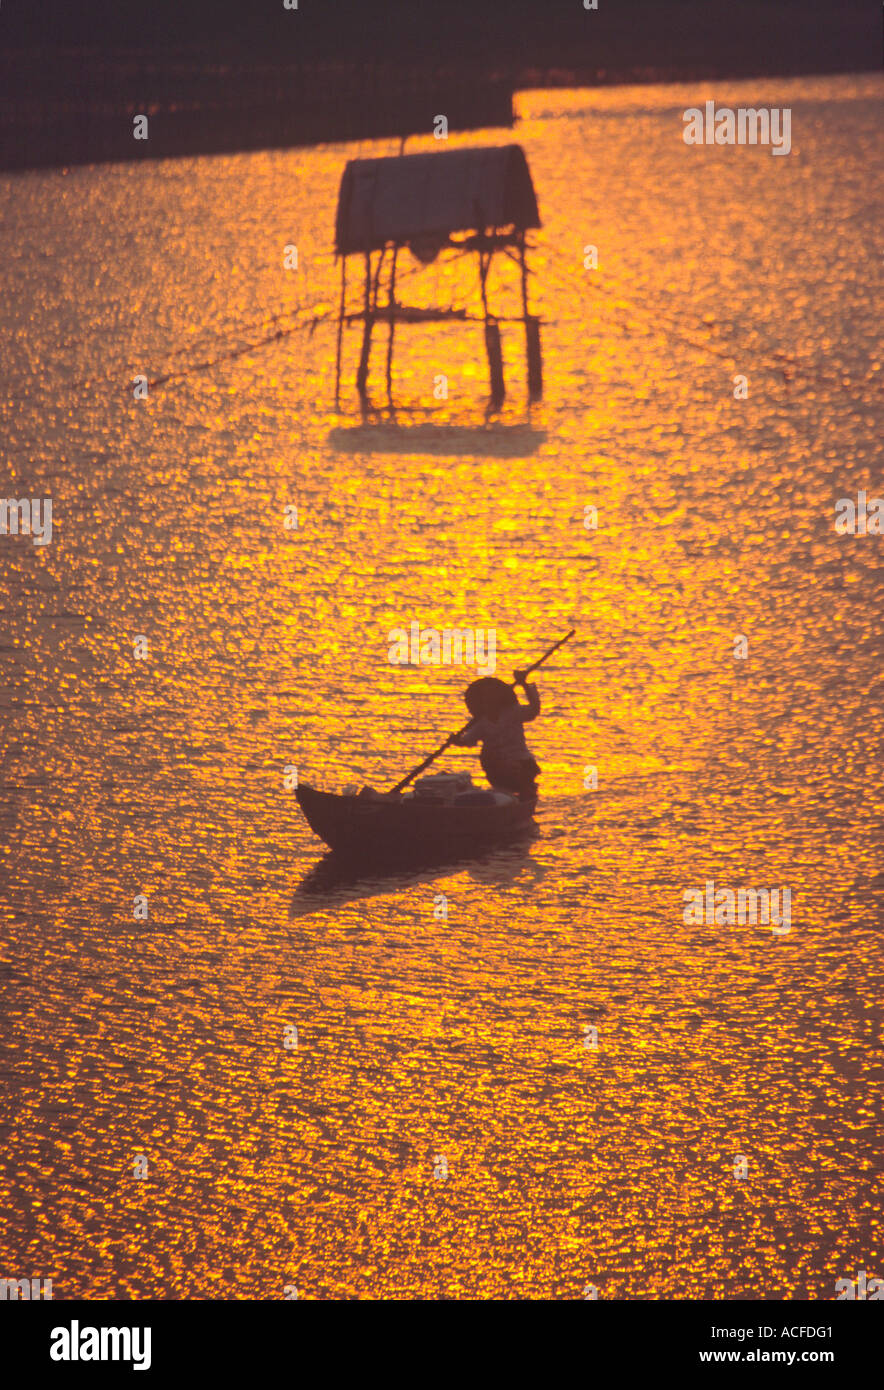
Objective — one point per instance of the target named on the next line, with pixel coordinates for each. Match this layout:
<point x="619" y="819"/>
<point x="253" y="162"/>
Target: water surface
<point x="420" y="1037"/>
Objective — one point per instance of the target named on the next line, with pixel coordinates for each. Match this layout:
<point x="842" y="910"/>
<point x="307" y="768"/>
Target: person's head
<point x="486" y="697"/>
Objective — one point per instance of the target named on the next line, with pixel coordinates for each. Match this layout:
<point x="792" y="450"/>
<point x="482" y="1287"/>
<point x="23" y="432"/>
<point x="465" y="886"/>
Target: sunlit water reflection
<point x="164" y="777"/>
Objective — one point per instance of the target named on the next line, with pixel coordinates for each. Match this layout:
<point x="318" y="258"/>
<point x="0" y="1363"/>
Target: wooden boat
<point x="378" y="824"/>
<point x="444" y="816"/>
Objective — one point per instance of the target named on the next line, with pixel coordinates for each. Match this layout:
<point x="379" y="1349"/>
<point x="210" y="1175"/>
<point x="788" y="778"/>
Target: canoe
<point x="385" y="824"/>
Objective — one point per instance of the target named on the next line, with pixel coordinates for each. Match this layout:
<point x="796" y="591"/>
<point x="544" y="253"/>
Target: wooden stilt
<point x="495" y="360"/>
<point x="524" y="270"/>
<point x="341" y="311"/>
<point x="492" y="336"/>
<point x="532" y="333"/>
<point x="377" y="281"/>
<point x="535" y="359"/>
<point x="392" y="307"/>
<point x="368" y="323"/>
<point x="483" y="272"/>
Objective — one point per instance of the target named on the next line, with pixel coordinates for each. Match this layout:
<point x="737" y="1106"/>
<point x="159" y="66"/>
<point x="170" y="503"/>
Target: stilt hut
<point x="479" y="201"/>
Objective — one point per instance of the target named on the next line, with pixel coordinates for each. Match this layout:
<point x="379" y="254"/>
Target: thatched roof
<point x="425" y="197"/>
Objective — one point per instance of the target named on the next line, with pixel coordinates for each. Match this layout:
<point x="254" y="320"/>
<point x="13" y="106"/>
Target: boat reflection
<point x="348" y="878"/>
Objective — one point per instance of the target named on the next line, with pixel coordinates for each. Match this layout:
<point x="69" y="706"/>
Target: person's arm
<point x="469" y="737"/>
<point x="532" y="709"/>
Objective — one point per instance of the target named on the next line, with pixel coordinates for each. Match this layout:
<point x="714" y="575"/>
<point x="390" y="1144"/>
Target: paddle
<point x="451" y="737"/>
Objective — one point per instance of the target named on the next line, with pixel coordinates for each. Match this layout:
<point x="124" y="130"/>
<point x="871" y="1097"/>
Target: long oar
<point x="451" y="737"/>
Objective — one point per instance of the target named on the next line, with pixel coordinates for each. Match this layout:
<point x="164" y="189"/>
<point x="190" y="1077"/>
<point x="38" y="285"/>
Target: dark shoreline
<point x="65" y="106"/>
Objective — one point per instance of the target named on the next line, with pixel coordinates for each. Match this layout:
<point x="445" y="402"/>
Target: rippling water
<point x="267" y="647"/>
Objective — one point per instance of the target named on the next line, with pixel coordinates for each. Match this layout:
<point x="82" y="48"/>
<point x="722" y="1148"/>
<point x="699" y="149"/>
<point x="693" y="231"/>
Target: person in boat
<point x="498" y="724"/>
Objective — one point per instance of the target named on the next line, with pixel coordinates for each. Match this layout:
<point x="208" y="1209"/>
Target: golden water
<point x="267" y="647"/>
